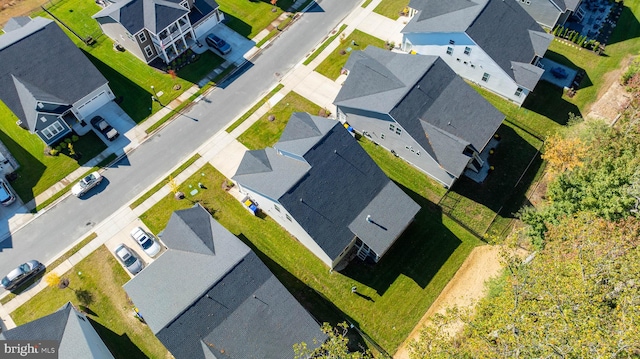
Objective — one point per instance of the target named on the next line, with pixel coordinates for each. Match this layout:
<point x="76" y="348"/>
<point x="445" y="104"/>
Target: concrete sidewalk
<point x="222" y="150"/>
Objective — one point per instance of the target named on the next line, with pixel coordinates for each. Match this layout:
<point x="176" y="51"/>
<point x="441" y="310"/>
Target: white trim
<point x="52" y="130"/>
<point x="147" y="54"/>
<point x="142" y="37"/>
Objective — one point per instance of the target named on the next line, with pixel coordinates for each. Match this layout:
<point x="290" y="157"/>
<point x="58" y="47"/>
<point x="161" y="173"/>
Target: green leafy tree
<point x="335" y="347"/>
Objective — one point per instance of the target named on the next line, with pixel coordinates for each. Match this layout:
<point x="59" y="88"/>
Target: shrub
<point x="63" y="144"/>
<point x="75" y="138"/>
<point x="58" y="148"/>
<point x="54" y="152"/>
<point x="67" y="140"/>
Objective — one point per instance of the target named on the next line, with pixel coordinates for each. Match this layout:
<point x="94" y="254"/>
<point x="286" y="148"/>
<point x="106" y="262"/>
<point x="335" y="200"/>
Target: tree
<point x="564" y="154"/>
<point x="578" y="298"/>
<point x="335" y="347"/>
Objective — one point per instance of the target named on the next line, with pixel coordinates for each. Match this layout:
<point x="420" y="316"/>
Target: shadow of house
<point x="563" y="60"/>
<point x="68" y="330"/>
<point x="217" y="299"/>
<point x="237" y="25"/>
<point x="324" y="189"/>
<point x="29" y="172"/>
<point x="120" y="345"/>
<point x="547" y="101"/>
<point x="627" y="28"/>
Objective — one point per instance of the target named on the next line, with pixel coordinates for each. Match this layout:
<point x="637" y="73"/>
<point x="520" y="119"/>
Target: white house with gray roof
<point x="210" y="296"/>
<point x="492" y="43"/>
<point x="164" y="29"/>
<point x="324" y="189"/>
<point x="419" y="109"/>
<point x="549" y="13"/>
<point x="45" y="80"/>
<point x="68" y="329"/>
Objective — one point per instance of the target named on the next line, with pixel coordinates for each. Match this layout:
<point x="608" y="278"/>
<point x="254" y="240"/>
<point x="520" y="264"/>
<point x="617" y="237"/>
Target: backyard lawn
<point x="391" y="8"/>
<point x="333" y="64"/>
<point x="38" y="171"/>
<point x="265" y="133"/>
<point x="401" y="287"/>
<point x="95" y="285"/>
<point x="248" y="18"/>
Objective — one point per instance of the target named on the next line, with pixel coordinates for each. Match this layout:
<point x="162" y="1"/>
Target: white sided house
<point x="325" y="190"/>
<point x="158" y="29"/>
<point x="492" y="43"/>
<point x="416" y="107"/>
<point x="45" y="80"/>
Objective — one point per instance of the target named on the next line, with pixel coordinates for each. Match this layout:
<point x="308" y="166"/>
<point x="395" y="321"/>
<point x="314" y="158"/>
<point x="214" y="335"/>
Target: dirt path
<point x="11" y="8"/>
<point x="465" y="288"/>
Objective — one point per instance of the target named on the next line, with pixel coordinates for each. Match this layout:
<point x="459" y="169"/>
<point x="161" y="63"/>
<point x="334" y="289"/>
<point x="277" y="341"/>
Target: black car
<point x="105" y="128"/>
<point x="21" y="274"/>
<point x="217" y="43"/>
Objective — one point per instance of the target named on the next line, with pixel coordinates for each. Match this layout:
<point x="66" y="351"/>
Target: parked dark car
<point x="21" y="274"/>
<point x="105" y="128"/>
<point x="217" y="43"/>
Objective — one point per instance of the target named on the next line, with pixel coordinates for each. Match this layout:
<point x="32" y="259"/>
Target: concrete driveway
<point x="240" y="45"/>
<point x="124" y="237"/>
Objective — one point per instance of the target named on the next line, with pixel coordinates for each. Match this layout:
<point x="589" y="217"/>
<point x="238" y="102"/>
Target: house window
<point x="519" y="91"/>
<point x="382" y="136"/>
<point x="185" y="4"/>
<point x="451" y="42"/>
<point x="148" y="50"/>
<point x="276" y="207"/>
<point x="449" y="50"/>
<point x="52" y="130"/>
<point x="288" y="217"/>
<point x="485" y="77"/>
<point x="398" y="130"/>
<point x="392" y="127"/>
<point x="467" y="50"/>
<point x="142" y="37"/>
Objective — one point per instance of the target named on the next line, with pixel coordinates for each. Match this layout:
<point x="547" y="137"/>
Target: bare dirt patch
<point x="12" y="8"/>
<point x="614" y="99"/>
<point x="465" y="288"/>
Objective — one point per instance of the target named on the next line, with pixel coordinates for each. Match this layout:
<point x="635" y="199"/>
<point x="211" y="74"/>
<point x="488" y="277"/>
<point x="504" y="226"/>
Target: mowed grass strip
<point x="357" y="40"/>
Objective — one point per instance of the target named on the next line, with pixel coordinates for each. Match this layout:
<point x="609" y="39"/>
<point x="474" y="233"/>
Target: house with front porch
<point x="158" y="29"/>
<point x="493" y="43"/>
<point x="416" y="107"/>
<point x="549" y="13"/>
<point x="324" y="189"/>
<point x="46" y="81"/>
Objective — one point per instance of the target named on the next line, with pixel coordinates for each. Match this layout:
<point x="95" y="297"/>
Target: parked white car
<point x="87" y="183"/>
<point x="146" y="241"/>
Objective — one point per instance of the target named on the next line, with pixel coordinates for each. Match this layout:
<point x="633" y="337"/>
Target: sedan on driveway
<point x="128" y="259"/>
<point x="217" y="43"/>
<point x="146" y="242"/>
<point x="21" y="274"/>
<point x="87" y="183"/>
<point x="105" y="128"/>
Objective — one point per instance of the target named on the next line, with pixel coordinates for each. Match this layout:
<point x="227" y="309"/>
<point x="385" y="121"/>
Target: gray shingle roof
<point x="64" y="326"/>
<point x="16" y="23"/>
<point x="339" y="182"/>
<point x="135" y="15"/>
<point x="40" y="63"/>
<point x="503" y="29"/>
<point x="431" y="104"/>
<point x="200" y="252"/>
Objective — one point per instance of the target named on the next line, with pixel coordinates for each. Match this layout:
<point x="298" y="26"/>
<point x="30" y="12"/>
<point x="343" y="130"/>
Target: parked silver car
<point x="21" y="274"/>
<point x="87" y="183"/>
<point x="129" y="259"/>
<point x="146" y="241"/>
<point x="6" y="195"/>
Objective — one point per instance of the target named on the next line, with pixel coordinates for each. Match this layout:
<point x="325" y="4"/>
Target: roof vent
<point x="43" y="119"/>
<point x="40" y="105"/>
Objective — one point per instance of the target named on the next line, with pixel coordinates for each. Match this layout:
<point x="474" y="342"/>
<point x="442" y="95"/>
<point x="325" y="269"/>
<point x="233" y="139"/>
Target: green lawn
<point x="197" y="70"/>
<point x="248" y="18"/>
<point x="253" y="109"/>
<point x="333" y="64"/>
<point x="391" y="8"/>
<point x="99" y="278"/>
<point x="265" y="133"/>
<point x="77" y="15"/>
<point x="401" y="286"/>
<point x="324" y="45"/>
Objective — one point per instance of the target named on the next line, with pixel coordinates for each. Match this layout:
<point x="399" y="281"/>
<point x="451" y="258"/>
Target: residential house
<point x="46" y="81"/>
<point x="67" y="331"/>
<point x="322" y="187"/>
<point x="550" y="13"/>
<point x="210" y="296"/>
<point x="492" y="43"/>
<point x="164" y="29"/>
<point x="419" y="109"/>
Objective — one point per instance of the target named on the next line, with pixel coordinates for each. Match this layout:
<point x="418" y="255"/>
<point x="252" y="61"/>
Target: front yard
<point x="248" y="18"/>
<point x="357" y="40"/>
<point x="95" y="285"/>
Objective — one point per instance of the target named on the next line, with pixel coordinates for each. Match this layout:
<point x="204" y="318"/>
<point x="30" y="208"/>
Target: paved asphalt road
<point x="50" y="233"/>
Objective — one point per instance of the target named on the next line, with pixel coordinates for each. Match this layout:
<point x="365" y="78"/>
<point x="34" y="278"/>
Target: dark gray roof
<point x="67" y="326"/>
<point x="41" y="64"/>
<point x="503" y="29"/>
<point x="16" y="23"/>
<point x="200" y="252"/>
<point x="436" y="103"/>
<point x="302" y="133"/>
<point x="247" y="314"/>
<point x="135" y="15"/>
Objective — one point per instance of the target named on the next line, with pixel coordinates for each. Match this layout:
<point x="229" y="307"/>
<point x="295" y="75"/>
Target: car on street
<point x="105" y="128"/>
<point x="128" y="259"/>
<point x="87" y="183"/>
<point x="217" y="43"/>
<point x="146" y="241"/>
<point x="24" y="272"/>
<point x="6" y="195"/>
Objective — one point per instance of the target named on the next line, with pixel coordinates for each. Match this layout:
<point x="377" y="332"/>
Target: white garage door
<point x="93" y="104"/>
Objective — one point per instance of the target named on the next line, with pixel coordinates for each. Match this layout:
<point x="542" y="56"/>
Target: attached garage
<point x="94" y="103"/>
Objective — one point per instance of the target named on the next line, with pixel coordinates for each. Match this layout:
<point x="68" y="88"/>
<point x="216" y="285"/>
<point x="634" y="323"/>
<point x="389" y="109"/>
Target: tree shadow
<point x="120" y="345"/>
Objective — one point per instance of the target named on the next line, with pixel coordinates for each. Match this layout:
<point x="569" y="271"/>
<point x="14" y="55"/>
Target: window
<point x="148" y="50"/>
<point x="467" y="50"/>
<point x="288" y="217"/>
<point x="485" y="77"/>
<point x="52" y="130"/>
<point x="382" y="136"/>
<point x="392" y="127"/>
<point x="398" y="130"/>
<point x="142" y="37"/>
<point x="519" y="91"/>
<point x="451" y="42"/>
<point x="449" y="50"/>
<point x="276" y="207"/>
